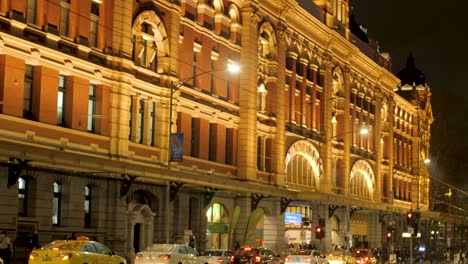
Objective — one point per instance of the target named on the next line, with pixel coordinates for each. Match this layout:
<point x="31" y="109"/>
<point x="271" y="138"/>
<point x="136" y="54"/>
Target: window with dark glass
<point x="28" y="87"/>
<point x="61" y="101"/>
<point x="130" y="119"/>
<point x="57" y="203"/>
<point x="64" y="17"/>
<point x="94" y="24"/>
<point x="22" y="196"/>
<point x="87" y="206"/>
<point x="152" y="122"/>
<point x="92" y="108"/>
<point x="141" y="119"/>
<point x="31" y="11"/>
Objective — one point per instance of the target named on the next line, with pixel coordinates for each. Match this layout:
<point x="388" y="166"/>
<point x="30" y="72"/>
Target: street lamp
<point x="362" y="131"/>
<point x="231" y="67"/>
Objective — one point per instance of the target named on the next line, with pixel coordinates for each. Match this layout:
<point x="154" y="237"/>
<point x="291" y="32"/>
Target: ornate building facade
<point x="97" y="97"/>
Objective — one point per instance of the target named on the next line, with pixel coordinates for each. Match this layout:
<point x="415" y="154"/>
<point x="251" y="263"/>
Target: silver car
<point x="169" y="254"/>
<point x="305" y="256"/>
<point x="218" y="256"/>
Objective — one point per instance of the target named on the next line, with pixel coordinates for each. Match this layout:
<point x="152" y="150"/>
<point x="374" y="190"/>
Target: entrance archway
<point x="217" y="234"/>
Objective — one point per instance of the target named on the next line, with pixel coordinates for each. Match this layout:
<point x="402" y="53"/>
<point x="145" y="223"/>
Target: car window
<point x="160" y="248"/>
<point x="316" y="254"/>
<point x="191" y="251"/>
<point x="88" y="247"/>
<point x="181" y="250"/>
<point x="228" y="253"/>
<point x="302" y="252"/>
<point x="101" y="249"/>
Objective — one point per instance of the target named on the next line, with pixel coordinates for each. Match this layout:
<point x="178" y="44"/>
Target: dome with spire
<point x="410" y="74"/>
<point x="413" y="86"/>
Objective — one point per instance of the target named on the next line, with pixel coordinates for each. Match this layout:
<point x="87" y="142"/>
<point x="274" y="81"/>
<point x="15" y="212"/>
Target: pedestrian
<point x="5" y="247"/>
<point x="33" y="240"/>
<point x="192" y="242"/>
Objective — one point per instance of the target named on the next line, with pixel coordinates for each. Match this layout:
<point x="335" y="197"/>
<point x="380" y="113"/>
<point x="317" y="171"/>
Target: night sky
<point x="436" y="34"/>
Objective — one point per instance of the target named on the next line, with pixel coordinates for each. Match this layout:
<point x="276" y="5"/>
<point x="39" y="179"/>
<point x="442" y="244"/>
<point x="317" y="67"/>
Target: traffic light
<point x="319" y="232"/>
<point x="409" y="218"/>
<point x="389" y="235"/>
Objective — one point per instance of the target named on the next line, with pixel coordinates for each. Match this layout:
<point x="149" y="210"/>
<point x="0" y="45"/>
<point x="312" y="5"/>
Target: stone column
<point x="326" y="148"/>
<point x="247" y="167"/>
<point x="378" y="146"/>
<point x="279" y="144"/>
<point x="391" y="106"/>
<point x="348" y="129"/>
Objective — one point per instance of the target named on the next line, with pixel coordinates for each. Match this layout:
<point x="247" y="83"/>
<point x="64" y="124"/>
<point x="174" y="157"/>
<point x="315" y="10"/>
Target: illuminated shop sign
<point x="291" y="218"/>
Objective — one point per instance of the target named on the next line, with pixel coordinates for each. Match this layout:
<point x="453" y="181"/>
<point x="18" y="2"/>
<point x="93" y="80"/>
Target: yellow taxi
<point x="81" y="250"/>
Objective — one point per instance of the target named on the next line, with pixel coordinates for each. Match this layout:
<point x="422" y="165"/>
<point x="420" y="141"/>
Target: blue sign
<point x="177" y="147"/>
<point x="291" y="218"/>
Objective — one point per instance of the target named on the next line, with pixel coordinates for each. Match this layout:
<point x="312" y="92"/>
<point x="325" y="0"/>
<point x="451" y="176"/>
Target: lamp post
<point x="362" y="131"/>
<point x="233" y="68"/>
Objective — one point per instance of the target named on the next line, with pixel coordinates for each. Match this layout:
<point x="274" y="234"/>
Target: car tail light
<point x="287" y="259"/>
<point x="32" y="256"/>
<point x="247" y="249"/>
<point x="138" y="256"/>
<point x="65" y="256"/>
<point x="231" y="258"/>
<point x="258" y="259"/>
<point x="366" y="259"/>
<point x="165" y="257"/>
<point x="307" y="259"/>
<point x="219" y="260"/>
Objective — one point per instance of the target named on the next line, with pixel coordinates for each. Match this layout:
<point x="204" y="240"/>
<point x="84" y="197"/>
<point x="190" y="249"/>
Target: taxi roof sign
<point x="83" y="238"/>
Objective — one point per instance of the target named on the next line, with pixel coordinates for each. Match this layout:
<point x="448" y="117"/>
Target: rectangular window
<point x="92" y="108"/>
<point x="93" y="31"/>
<point x="57" y="203"/>
<point x="212" y="142"/>
<point x="130" y="119"/>
<point x="87" y="206"/>
<point x="28" y="87"/>
<point x="22" y="197"/>
<point x="141" y="120"/>
<point x="64" y="17"/>
<point x="31" y="12"/>
<point x="143" y="53"/>
<point x="61" y="101"/>
<point x="152" y="122"/>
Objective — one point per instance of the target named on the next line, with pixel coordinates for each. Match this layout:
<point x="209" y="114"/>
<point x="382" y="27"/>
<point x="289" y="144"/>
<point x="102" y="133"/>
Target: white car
<point x="169" y="254"/>
<point x="305" y="256"/>
<point x="218" y="256"/>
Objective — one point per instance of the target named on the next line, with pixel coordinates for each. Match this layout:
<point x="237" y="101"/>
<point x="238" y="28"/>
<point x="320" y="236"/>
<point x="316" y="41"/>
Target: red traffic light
<point x="409" y="215"/>
<point x="318" y="229"/>
<point x="389" y="234"/>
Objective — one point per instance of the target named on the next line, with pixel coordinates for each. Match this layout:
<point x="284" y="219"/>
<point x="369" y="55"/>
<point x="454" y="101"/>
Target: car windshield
<point x="160" y="248"/>
<point x="212" y="253"/>
<point x="62" y="245"/>
<point x="303" y="252"/>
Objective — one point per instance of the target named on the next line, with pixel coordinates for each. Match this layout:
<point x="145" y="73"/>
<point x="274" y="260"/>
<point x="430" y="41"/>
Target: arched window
<point x="87" y="206"/>
<point x="57" y="203"/>
<point x="22" y="197"/>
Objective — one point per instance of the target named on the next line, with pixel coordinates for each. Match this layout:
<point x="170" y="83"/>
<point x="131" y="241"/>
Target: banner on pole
<point x="177" y="147"/>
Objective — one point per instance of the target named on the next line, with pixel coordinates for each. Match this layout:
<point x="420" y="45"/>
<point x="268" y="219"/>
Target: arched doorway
<point x="217" y="231"/>
<point x="142" y="207"/>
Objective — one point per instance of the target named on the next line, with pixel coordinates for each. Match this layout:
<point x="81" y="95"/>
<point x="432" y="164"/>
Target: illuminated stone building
<point x="86" y="93"/>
